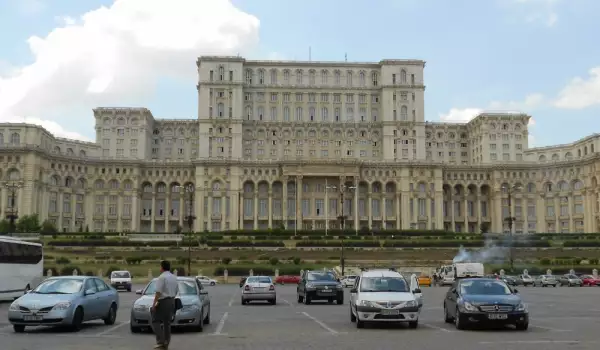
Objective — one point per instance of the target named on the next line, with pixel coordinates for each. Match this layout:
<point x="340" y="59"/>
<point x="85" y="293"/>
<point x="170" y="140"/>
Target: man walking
<point x="163" y="307"/>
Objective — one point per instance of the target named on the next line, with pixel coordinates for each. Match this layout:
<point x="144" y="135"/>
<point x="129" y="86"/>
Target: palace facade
<point x="299" y="144"/>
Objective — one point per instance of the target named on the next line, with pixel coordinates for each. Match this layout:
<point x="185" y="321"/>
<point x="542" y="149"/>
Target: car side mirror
<point x="139" y="292"/>
<point x="203" y="292"/>
<point x="417" y="291"/>
<point x="337" y="279"/>
<point x="353" y="290"/>
<point x="515" y="291"/>
<point x="453" y="290"/>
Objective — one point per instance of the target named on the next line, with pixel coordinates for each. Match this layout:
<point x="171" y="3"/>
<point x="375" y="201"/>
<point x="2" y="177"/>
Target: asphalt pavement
<point x="560" y="317"/>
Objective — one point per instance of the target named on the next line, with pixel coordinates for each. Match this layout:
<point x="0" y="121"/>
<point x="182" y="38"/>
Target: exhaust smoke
<point x="489" y="253"/>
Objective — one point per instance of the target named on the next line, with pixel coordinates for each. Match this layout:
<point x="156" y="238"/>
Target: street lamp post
<point x="327" y="188"/>
<point x="12" y="217"/>
<point x="342" y="217"/>
<point x="510" y="220"/>
<point x="190" y="190"/>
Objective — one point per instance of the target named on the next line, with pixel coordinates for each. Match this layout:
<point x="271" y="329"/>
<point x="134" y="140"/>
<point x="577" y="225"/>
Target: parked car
<point x="259" y="288"/>
<point x="570" y="280"/>
<point x="287" y="279"/>
<point x="319" y="285"/>
<point x="206" y="281"/>
<point x="590" y="280"/>
<point x="527" y="280"/>
<point x="511" y="280"/>
<point x="425" y="280"/>
<point x="545" y="281"/>
<point x="65" y="301"/>
<point x="348" y="281"/>
<point x="121" y="280"/>
<point x="484" y="301"/>
<point x="194" y="298"/>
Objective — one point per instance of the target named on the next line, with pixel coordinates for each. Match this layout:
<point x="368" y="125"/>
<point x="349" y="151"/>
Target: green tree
<point x="28" y="223"/>
<point x="5" y="226"/>
<point x="48" y="228"/>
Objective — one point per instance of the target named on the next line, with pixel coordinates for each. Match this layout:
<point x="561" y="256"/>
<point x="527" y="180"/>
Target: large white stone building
<point x="275" y="141"/>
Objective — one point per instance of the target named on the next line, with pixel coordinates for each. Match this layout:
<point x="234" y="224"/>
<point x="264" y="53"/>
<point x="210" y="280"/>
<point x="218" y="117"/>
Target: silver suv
<point x="385" y="296"/>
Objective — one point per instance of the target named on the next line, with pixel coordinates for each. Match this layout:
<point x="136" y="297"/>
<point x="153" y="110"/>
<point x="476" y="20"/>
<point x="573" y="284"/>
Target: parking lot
<point x="560" y="317"/>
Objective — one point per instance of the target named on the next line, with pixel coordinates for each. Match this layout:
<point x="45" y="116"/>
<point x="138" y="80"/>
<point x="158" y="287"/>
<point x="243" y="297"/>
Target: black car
<point x="319" y="285"/>
<point x="243" y="281"/>
<point x="484" y="301"/>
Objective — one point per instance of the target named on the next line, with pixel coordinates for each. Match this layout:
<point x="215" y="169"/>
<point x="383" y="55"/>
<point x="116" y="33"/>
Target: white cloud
<point x="543" y="11"/>
<point x="580" y="92"/>
<point x="114" y="55"/>
<point x="463" y="115"/>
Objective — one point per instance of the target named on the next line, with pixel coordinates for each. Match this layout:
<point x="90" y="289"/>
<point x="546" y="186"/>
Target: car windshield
<point x="587" y="276"/>
<point x="383" y="284"/>
<point x="60" y="286"/>
<point x="185" y="288"/>
<point x="572" y="276"/>
<point x="488" y="287"/>
<point x="351" y="277"/>
<point x="324" y="276"/>
<point x="258" y="280"/>
<point x="120" y="274"/>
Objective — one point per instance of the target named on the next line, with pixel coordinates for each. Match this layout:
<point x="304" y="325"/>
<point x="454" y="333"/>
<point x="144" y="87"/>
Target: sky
<point x="61" y="58"/>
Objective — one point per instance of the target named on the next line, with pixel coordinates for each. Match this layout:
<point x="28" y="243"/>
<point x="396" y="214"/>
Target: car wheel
<point x="77" y="320"/>
<point x="112" y="315"/>
<point x="134" y="329"/>
<point x="207" y="318"/>
<point x="352" y="317"/>
<point x="306" y="299"/>
<point x="300" y="298"/>
<point x="273" y="301"/>
<point x="413" y="324"/>
<point x="459" y="321"/>
<point x="212" y="283"/>
<point x="244" y="302"/>
<point x="522" y="326"/>
<point x="447" y="317"/>
<point x="340" y="301"/>
<point x="19" y="328"/>
<point x="359" y="323"/>
<point x="200" y="326"/>
<point x="555" y="285"/>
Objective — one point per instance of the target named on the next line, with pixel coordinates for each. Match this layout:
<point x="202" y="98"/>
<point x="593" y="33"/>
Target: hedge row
<point x="338" y="243"/>
<point x="245" y="244"/>
<point x="241" y="271"/>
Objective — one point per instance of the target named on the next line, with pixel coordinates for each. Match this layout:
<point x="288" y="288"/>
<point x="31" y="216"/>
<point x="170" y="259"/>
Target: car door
<point x="106" y="295"/>
<point x="451" y="298"/>
<point x="91" y="300"/>
<point x="204" y="298"/>
<point x="354" y="292"/>
<point x="415" y="289"/>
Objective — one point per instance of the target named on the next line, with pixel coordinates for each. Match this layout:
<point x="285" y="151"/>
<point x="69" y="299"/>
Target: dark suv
<point x="320" y="285"/>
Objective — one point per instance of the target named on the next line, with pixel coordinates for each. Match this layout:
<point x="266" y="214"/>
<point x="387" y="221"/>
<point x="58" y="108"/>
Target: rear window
<point x="258" y="280"/>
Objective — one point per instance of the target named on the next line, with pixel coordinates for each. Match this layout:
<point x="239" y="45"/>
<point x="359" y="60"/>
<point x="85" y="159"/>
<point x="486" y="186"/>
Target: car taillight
<point x="247" y="287"/>
<point x="272" y="287"/>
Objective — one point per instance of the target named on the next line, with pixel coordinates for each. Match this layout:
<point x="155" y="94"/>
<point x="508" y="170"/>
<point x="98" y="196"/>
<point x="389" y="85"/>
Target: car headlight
<point x="141" y="307"/>
<point x="469" y="307"/>
<point x="411" y="303"/>
<point x="62" y="306"/>
<point x="521" y="307"/>
<point x="367" y="303"/>
<point x="192" y="307"/>
<point x="339" y="286"/>
<point x="13" y="307"/>
<point x="310" y="285"/>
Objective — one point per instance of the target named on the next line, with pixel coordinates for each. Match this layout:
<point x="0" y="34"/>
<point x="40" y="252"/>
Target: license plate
<point x="327" y="291"/>
<point x="390" y="312"/>
<point x="33" y="318"/>
<point x="497" y="316"/>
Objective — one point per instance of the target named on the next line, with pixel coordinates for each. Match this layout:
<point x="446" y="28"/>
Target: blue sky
<point x="536" y="56"/>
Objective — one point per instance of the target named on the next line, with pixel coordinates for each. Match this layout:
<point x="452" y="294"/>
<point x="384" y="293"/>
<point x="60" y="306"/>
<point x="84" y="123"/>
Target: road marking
<point x="432" y="308"/>
<point x="436" y="327"/>
<point x="221" y="324"/>
<point x="287" y="302"/>
<point x="320" y="323"/>
<point x="232" y="298"/>
<point x="573" y="342"/>
<point x="112" y="329"/>
<point x="552" y="329"/>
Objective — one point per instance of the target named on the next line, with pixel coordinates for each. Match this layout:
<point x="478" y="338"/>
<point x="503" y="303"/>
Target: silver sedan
<point x="259" y="288"/>
<point x="194" y="314"/>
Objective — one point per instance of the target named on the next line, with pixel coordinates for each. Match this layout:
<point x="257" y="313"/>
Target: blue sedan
<point x="65" y="301"/>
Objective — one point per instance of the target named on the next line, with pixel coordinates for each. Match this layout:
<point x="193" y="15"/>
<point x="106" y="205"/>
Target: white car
<point x="121" y="280"/>
<point x="385" y="296"/>
<point x="206" y="281"/>
<point x="348" y="281"/>
<point x="259" y="288"/>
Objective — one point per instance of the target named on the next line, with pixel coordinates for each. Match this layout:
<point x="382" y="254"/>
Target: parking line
<point x="573" y="342"/>
<point x="287" y="302"/>
<point x="552" y="329"/>
<point x="437" y="328"/>
<point x="112" y="329"/>
<point x="221" y="324"/>
<point x="320" y="323"/>
<point x="232" y="298"/>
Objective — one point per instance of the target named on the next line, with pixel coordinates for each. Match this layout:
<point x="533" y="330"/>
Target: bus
<point x="21" y="266"/>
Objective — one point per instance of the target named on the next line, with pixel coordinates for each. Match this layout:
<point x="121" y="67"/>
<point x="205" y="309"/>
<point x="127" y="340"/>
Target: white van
<point x="121" y="280"/>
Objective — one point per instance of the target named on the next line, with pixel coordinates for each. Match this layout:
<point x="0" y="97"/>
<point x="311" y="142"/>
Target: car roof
<point x="180" y="278"/>
<point x="259" y="276"/>
<point x="81" y="278"/>
<point x="380" y="273"/>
